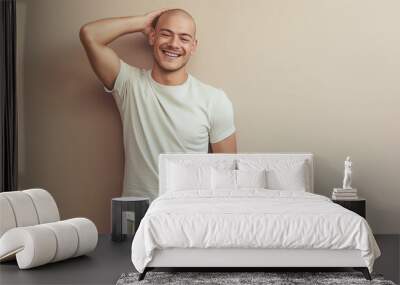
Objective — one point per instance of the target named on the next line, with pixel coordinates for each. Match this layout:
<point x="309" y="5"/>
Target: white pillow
<point x="187" y="177"/>
<point x="281" y="174"/>
<point x="192" y="174"/>
<point x="251" y="178"/>
<point x="288" y="179"/>
<point x="236" y="179"/>
<point x="223" y="179"/>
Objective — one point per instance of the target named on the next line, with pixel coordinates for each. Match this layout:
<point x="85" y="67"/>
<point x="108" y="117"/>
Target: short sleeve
<point x="126" y="76"/>
<point x="221" y="120"/>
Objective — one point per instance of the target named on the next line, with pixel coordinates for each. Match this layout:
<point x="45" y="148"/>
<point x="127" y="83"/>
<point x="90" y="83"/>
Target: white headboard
<point x="164" y="158"/>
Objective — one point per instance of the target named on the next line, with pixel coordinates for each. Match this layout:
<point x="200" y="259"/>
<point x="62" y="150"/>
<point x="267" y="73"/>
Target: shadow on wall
<point x="323" y="166"/>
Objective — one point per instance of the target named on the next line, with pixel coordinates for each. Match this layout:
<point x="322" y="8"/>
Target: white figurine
<point x="347" y="174"/>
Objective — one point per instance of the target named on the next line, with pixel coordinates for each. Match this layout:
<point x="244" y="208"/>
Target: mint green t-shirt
<point x="159" y="118"/>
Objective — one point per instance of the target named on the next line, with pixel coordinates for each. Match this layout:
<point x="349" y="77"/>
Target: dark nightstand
<point x="358" y="206"/>
<point x="121" y="208"/>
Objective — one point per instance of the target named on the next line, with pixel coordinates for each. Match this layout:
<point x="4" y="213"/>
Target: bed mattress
<point x="250" y="219"/>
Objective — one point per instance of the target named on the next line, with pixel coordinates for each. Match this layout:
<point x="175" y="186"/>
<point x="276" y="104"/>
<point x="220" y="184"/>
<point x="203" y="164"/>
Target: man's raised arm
<point x="95" y="36"/>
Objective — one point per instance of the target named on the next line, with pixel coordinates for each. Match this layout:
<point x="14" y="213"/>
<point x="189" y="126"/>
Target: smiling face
<point x="173" y="40"/>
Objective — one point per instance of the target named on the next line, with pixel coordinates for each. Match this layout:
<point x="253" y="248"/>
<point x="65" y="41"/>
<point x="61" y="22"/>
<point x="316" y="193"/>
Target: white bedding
<point x="250" y="218"/>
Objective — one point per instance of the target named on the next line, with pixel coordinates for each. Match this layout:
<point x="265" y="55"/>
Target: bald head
<point x="174" y="13"/>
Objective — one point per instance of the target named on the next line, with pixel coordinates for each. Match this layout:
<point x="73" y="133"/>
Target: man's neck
<point x="169" y="78"/>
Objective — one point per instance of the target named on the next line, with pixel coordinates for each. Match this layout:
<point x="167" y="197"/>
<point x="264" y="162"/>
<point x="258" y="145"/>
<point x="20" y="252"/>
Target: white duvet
<point x="250" y="218"/>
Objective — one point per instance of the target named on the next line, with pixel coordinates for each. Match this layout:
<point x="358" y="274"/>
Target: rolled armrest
<point x="26" y="208"/>
<point x="40" y="244"/>
<point x="33" y="246"/>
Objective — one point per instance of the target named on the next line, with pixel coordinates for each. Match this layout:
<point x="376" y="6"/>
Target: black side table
<point x="357" y="205"/>
<point x="122" y="205"/>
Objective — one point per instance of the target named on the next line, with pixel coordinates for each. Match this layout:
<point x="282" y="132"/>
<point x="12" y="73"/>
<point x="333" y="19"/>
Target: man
<point x="164" y="109"/>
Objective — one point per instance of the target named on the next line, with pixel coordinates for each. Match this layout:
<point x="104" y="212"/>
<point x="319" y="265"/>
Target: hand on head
<point x="149" y="19"/>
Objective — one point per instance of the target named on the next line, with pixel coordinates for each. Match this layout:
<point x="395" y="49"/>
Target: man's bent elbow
<point x="227" y="145"/>
<point x="84" y="34"/>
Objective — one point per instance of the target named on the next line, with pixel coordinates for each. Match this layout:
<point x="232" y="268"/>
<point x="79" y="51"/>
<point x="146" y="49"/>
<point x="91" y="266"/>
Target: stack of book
<point x="344" y="194"/>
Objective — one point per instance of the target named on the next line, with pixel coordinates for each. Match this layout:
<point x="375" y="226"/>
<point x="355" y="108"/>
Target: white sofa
<point x="31" y="230"/>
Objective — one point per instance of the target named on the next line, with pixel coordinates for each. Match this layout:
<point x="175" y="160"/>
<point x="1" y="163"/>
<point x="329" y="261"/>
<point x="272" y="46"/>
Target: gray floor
<point x="103" y="266"/>
<point x="110" y="260"/>
<point x="389" y="262"/>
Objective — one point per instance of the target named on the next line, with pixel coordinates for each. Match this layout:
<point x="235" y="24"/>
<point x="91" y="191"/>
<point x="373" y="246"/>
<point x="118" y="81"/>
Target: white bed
<point x="198" y="226"/>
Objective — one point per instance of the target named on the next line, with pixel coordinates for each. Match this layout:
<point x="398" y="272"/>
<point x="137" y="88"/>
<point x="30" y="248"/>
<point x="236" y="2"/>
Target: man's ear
<point x="152" y="37"/>
<point x="195" y="43"/>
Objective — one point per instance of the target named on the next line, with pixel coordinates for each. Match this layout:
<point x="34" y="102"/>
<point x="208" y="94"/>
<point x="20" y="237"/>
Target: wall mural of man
<point x="164" y="109"/>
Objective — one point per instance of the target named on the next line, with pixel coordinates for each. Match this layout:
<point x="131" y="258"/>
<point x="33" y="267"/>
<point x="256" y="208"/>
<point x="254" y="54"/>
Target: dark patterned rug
<point x="270" y="278"/>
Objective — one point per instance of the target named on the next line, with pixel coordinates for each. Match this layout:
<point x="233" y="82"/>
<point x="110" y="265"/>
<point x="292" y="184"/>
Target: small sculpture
<point x="347" y="174"/>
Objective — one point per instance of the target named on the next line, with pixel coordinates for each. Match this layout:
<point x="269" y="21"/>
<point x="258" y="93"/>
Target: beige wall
<point x="315" y="76"/>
